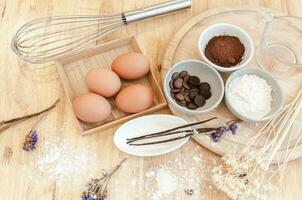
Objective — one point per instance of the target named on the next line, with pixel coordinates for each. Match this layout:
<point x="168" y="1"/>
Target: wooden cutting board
<point x="184" y="46"/>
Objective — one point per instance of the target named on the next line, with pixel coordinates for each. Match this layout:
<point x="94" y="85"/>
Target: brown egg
<point x="91" y="108"/>
<point x="131" y="65"/>
<point x="134" y="98"/>
<point x="103" y="81"/>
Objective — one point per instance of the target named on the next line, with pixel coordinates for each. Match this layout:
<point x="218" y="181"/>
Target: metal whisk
<point x="45" y="39"/>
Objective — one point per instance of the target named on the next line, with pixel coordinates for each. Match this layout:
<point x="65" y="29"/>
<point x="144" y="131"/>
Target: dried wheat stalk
<point x="246" y="174"/>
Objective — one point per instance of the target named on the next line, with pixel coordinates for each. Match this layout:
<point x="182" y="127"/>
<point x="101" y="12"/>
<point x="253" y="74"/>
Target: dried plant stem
<point x="117" y="167"/>
<point x="4" y="125"/>
<point x="247" y="174"/>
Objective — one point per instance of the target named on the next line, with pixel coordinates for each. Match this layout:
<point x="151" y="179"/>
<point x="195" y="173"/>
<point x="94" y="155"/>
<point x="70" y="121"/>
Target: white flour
<point x="167" y="181"/>
<point x="173" y="175"/>
<point x="62" y="162"/>
<point x="251" y="96"/>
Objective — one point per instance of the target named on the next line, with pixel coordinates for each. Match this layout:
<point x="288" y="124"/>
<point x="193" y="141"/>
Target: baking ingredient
<point x="167" y="181"/>
<point x="188" y="90"/>
<point x="60" y="161"/>
<point x="250" y="96"/>
<point x="91" y="108"/>
<point x="103" y="81"/>
<point x="134" y="98"/>
<point x="131" y="66"/>
<point x="224" y="50"/>
<point x="190" y="173"/>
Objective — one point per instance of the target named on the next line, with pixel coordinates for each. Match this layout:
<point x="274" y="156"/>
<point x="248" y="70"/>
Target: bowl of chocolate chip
<point x="193" y="87"/>
<point x="226" y="47"/>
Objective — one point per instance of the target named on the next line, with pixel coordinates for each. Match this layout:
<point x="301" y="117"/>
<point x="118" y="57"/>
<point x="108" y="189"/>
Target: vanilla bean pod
<point x="199" y="130"/>
<point x="172" y="129"/>
<point x="163" y="141"/>
<point x="194" y="131"/>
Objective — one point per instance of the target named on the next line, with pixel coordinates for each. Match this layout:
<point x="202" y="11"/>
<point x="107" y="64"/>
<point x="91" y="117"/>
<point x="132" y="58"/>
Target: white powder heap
<point x="250" y="96"/>
<point x="167" y="181"/>
<point x="175" y="174"/>
<point x="62" y="162"/>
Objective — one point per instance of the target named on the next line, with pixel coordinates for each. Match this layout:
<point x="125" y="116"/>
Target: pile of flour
<point x="250" y="96"/>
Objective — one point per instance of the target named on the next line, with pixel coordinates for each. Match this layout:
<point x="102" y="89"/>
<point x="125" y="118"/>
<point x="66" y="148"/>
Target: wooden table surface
<point x="64" y="161"/>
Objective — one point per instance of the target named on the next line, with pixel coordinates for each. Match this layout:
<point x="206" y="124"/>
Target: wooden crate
<point x="73" y="69"/>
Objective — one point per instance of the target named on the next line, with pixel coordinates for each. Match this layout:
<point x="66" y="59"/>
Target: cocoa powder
<point x="224" y="50"/>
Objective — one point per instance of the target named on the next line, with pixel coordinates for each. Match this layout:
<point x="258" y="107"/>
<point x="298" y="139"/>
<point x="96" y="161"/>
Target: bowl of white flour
<point x="253" y="95"/>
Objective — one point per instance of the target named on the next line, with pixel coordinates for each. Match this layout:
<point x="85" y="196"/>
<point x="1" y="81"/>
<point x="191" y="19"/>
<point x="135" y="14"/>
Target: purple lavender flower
<point x="233" y="127"/>
<point x="86" y="196"/>
<point x="31" y="140"/>
<point x="216" y="136"/>
<point x="225" y="128"/>
<point x="229" y="126"/>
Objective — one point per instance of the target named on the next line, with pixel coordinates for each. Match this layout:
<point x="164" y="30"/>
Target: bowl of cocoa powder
<point x="226" y="47"/>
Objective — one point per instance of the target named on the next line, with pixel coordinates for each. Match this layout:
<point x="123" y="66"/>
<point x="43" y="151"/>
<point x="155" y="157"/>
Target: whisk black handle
<point x="156" y="10"/>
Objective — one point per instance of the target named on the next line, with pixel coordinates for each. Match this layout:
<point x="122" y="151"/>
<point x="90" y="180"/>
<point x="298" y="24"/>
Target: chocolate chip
<point x="187" y="98"/>
<point x="182" y="74"/>
<point x="175" y="90"/>
<point x="192" y="86"/>
<point x="194" y="90"/>
<point x="172" y="95"/>
<point x="185" y="84"/>
<point x="199" y="101"/>
<point x="182" y="90"/>
<point x="171" y="85"/>
<point x="179" y="96"/>
<point x="187" y="90"/>
<point x="194" y="80"/>
<point x="205" y="93"/>
<point x="192" y="106"/>
<point x="175" y="75"/>
<point x="178" y="83"/>
<point x="186" y="78"/>
<point x="193" y="94"/>
<point x="204" y="86"/>
<point x="182" y="103"/>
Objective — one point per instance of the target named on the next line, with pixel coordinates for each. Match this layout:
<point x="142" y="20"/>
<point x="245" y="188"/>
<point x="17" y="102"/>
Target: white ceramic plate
<point x="145" y="125"/>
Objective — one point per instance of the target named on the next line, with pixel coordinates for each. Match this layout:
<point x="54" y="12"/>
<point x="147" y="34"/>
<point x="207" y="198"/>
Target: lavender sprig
<point x="229" y="126"/>
<point x="31" y="140"/>
<point x="97" y="188"/>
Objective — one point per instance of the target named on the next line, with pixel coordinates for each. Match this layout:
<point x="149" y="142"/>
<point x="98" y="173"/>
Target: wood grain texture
<point x="25" y="89"/>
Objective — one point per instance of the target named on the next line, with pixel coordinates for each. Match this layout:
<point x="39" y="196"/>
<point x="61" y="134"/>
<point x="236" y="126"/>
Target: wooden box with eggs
<point x="109" y="84"/>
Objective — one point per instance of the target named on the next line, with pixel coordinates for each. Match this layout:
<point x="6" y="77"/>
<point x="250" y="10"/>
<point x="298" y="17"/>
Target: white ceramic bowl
<point x="231" y="30"/>
<point x="277" y="95"/>
<point x="206" y="74"/>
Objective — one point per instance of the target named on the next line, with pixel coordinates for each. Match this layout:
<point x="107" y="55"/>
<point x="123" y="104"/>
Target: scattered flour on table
<point x="251" y="96"/>
<point x="178" y="173"/>
<point x="61" y="162"/>
<point x="167" y="182"/>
